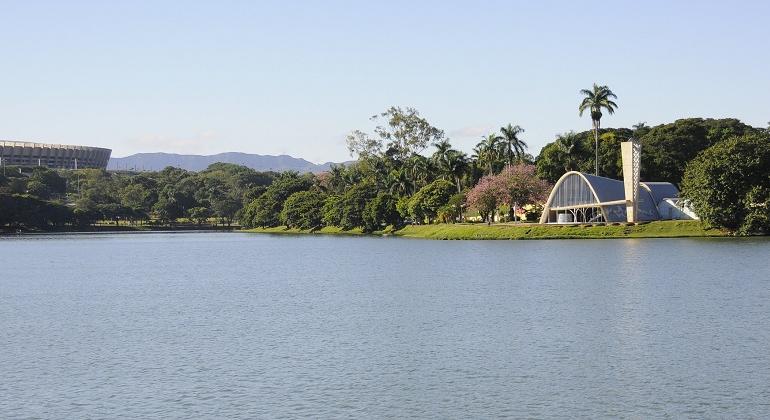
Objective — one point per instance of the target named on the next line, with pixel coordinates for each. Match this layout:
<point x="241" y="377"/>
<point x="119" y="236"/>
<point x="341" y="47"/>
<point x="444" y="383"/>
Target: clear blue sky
<point x="294" y="77"/>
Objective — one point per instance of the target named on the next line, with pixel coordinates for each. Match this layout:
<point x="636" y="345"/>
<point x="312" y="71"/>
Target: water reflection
<point x="238" y="325"/>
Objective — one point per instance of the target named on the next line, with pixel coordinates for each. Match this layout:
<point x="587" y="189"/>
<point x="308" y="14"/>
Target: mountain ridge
<point x="156" y="161"/>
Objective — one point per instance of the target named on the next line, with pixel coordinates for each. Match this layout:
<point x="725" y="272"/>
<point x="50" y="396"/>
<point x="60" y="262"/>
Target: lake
<point x="237" y="325"/>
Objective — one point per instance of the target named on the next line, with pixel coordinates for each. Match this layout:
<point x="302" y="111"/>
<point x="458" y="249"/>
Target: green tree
<point x="353" y="203"/>
<point x="199" y="215"/>
<point x="225" y="207"/>
<point x="362" y="145"/>
<point x="667" y="148"/>
<point x="442" y="154"/>
<point x="596" y="99"/>
<point x="563" y="155"/>
<point x="452" y="211"/>
<point x="640" y="129"/>
<point x="398" y="182"/>
<point x="457" y="167"/>
<point x="405" y="131"/>
<point x="487" y="152"/>
<point x="572" y="152"/>
<point x="451" y="163"/>
<point x="418" y="167"/>
<point x="17" y="185"/>
<point x="337" y="179"/>
<point x="332" y="211"/>
<point x="44" y="183"/>
<point x="86" y="212"/>
<point x="301" y="210"/>
<point x="27" y="212"/>
<point x="114" y="211"/>
<point x="167" y="209"/>
<point x="265" y="211"/>
<point x="424" y="204"/>
<point x="728" y="185"/>
<point x="402" y="133"/>
<point x="513" y="147"/>
<point x="135" y="196"/>
<point x="380" y="212"/>
<point x="38" y="189"/>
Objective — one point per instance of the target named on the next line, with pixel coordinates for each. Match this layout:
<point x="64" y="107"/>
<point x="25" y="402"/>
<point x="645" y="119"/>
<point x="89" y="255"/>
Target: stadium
<point x="58" y="156"/>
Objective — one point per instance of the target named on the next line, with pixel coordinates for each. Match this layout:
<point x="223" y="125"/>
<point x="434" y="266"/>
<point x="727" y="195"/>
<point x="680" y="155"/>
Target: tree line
<point x="393" y="181"/>
<point x="41" y="198"/>
<point x="407" y="171"/>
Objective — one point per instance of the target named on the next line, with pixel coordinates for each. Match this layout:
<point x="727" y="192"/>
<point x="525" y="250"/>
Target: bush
<point x="728" y="185"/>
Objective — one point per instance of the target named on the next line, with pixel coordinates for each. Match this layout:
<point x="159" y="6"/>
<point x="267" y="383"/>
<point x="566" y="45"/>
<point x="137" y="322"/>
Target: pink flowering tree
<point x="484" y="197"/>
<point x="517" y="185"/>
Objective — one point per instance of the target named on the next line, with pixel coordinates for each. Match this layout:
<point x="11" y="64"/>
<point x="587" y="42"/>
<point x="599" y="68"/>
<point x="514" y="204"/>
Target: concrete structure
<point x="59" y="156"/>
<point x="582" y="198"/>
<point x="631" y="155"/>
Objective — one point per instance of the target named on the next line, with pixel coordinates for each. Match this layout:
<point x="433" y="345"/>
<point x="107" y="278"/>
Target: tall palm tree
<point x="442" y="156"/>
<point x="457" y="165"/>
<point x="513" y="147"/>
<point x="487" y="151"/>
<point x="596" y="99"/>
<point x="418" y="168"/>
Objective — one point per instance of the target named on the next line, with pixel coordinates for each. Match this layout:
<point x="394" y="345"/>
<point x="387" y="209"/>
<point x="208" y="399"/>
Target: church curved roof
<point x="577" y="189"/>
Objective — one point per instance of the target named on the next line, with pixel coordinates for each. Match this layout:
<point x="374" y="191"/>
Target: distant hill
<point x="158" y="161"/>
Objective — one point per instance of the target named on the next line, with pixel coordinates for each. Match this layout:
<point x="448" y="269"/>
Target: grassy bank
<point x="662" y="229"/>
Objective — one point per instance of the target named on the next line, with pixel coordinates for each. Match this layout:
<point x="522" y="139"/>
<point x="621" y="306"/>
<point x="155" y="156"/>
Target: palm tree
<point x="442" y="156"/>
<point x="570" y="148"/>
<point x="337" y="178"/>
<point x="398" y="181"/>
<point x="418" y="168"/>
<point x="594" y="100"/>
<point x="350" y="177"/>
<point x="513" y="147"/>
<point x="487" y="151"/>
<point x="457" y="165"/>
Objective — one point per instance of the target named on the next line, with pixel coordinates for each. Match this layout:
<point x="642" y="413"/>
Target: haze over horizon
<point x="275" y="78"/>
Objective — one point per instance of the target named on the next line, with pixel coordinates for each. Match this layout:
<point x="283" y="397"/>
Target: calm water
<point x="248" y="325"/>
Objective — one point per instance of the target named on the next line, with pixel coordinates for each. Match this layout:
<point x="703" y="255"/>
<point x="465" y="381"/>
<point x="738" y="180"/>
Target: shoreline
<point x="456" y="231"/>
<point x="524" y="231"/>
<point x="123" y="229"/>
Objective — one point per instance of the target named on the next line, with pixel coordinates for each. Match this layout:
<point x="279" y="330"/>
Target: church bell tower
<point x="631" y="155"/>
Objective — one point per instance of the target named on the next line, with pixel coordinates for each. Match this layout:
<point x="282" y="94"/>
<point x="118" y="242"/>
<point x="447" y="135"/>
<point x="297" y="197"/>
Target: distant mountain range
<point x="158" y="161"/>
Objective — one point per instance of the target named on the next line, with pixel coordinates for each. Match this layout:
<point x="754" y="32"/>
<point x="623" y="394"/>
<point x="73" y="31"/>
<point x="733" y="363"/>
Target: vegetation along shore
<point x="407" y="174"/>
<point x="459" y="231"/>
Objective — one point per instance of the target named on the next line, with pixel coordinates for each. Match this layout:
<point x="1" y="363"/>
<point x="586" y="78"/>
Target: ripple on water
<point x="255" y="326"/>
